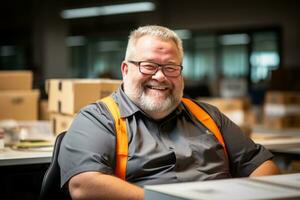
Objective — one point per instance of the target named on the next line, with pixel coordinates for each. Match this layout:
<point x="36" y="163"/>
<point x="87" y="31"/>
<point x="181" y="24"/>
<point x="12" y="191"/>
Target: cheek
<point x="134" y="79"/>
<point x="129" y="74"/>
<point x="178" y="84"/>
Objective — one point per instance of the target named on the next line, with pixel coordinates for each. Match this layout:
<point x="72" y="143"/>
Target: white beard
<point x="149" y="103"/>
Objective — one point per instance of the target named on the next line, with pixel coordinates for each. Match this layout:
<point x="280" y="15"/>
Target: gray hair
<point x="153" y="30"/>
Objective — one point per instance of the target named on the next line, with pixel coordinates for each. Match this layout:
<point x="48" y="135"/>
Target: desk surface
<point x="10" y="157"/>
<point x="277" y="140"/>
<point x="29" y="131"/>
<point x="269" y="187"/>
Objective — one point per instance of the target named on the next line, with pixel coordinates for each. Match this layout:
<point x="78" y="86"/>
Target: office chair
<point x="50" y="188"/>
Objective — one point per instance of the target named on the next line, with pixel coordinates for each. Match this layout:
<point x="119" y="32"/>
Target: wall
<point x="49" y="40"/>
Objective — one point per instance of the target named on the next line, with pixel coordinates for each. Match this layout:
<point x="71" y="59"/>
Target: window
<point x="248" y="57"/>
<point x="264" y="57"/>
<point x="209" y="57"/>
<point x="93" y="57"/>
<point x="234" y="55"/>
<point x="12" y="57"/>
<point x="199" y="58"/>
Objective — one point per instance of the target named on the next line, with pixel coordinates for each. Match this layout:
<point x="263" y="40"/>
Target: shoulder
<point x="218" y="117"/>
<point x="213" y="111"/>
<point x="93" y="116"/>
<point x="96" y="110"/>
<point x="206" y="106"/>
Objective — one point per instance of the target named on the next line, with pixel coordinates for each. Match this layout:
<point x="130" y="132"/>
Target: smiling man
<point x="155" y="87"/>
<point x="167" y="143"/>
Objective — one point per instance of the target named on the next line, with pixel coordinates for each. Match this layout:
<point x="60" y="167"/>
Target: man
<point x="167" y="144"/>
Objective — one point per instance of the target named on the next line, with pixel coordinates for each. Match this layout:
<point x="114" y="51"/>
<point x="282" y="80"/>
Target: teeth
<point x="158" y="88"/>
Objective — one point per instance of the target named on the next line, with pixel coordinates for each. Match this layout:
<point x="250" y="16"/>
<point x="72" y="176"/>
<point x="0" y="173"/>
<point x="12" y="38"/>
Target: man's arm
<point x="96" y="185"/>
<point x="266" y="168"/>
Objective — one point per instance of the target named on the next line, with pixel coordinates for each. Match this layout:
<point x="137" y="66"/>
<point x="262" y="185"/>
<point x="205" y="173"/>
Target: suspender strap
<point x="205" y="119"/>
<point x="121" y="137"/>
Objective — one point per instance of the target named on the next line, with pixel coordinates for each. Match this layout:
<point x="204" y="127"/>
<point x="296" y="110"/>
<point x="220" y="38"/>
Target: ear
<point x="124" y="68"/>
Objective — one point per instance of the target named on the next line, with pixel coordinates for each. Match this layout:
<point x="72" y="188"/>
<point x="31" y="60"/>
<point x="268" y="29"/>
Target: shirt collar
<point x="127" y="107"/>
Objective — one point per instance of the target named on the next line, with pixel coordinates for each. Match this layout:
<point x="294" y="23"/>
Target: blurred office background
<point x="239" y="43"/>
<point x="242" y="56"/>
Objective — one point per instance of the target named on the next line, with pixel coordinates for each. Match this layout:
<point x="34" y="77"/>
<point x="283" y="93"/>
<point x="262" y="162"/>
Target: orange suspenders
<point x="205" y="119"/>
<point x="122" y="137"/>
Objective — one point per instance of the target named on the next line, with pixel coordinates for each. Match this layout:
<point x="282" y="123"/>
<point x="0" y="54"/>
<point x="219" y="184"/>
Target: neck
<point x="158" y="115"/>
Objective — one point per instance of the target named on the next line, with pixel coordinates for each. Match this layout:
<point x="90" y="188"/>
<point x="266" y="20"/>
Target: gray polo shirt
<point x="177" y="148"/>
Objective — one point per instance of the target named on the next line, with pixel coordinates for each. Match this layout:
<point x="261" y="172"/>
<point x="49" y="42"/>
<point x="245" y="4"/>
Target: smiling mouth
<point x="161" y="88"/>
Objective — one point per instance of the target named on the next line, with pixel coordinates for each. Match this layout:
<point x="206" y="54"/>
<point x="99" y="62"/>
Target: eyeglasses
<point x="150" y="68"/>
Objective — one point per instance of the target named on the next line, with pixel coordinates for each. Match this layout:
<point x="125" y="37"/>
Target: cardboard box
<point x="281" y="110"/>
<point x="68" y="96"/>
<point x="282" y="97"/>
<point x="295" y="166"/>
<point x="225" y="104"/>
<point x="282" y="122"/>
<point x="16" y="80"/>
<point x="19" y="105"/>
<point x="235" y="109"/>
<point x="43" y="110"/>
<point x="60" y="122"/>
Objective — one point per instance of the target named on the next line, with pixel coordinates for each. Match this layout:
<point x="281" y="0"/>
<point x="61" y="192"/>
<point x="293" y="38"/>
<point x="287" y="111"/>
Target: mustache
<point x="157" y="84"/>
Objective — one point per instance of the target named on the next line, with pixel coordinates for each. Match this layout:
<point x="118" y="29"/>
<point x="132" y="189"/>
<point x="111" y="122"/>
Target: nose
<point x="159" y="75"/>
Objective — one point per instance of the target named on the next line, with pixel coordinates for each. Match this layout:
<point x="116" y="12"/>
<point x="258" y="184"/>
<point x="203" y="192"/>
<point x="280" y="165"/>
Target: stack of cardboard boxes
<point x="18" y="101"/>
<point x="236" y="109"/>
<point x="282" y="109"/>
<point x="67" y="96"/>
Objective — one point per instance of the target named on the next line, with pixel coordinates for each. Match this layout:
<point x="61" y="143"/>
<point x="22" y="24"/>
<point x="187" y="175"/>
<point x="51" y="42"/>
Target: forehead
<point x="150" y="45"/>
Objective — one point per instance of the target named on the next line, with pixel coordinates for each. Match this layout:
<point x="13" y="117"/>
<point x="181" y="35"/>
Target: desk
<point x="21" y="173"/>
<point x="9" y="157"/>
<point x="29" y="131"/>
<point x="278" y="187"/>
<point x="277" y="140"/>
<point x="284" y="144"/>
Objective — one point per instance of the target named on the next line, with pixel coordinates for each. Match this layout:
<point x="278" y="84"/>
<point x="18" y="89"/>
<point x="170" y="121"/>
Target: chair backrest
<point x="50" y="188"/>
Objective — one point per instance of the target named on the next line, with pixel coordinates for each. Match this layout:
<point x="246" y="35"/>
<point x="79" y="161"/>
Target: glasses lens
<point x="148" y="68"/>
<point x="172" y="70"/>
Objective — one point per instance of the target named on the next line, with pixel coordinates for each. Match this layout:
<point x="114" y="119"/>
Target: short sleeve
<point x="243" y="154"/>
<point x="89" y="144"/>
